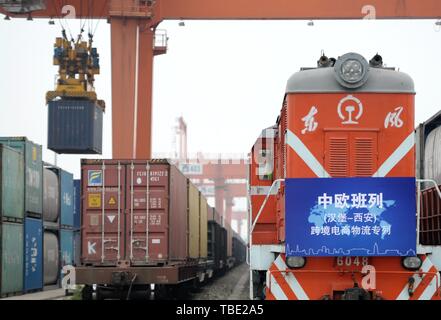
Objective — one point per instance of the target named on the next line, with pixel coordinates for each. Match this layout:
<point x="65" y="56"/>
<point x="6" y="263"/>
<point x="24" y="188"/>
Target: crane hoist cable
<point x="90" y="22"/>
<point x="103" y="9"/>
<point x="54" y="2"/>
<point x="60" y="19"/>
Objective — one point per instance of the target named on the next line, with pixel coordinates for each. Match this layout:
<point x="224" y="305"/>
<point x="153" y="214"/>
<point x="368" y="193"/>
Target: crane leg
<point x="132" y="83"/>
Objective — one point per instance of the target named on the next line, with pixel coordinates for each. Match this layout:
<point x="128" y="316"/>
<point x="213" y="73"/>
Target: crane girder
<point x="158" y="10"/>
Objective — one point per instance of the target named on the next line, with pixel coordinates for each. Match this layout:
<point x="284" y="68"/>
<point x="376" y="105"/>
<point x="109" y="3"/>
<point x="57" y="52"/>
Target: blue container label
<point x="351" y="217"/>
<point x="33" y="266"/>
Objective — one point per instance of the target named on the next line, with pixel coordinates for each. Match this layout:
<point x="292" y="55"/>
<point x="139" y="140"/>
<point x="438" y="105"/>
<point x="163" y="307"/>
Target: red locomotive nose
<point x="351" y="122"/>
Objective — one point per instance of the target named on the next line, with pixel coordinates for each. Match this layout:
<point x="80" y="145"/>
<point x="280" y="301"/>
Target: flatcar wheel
<point x="181" y="291"/>
<point x="87" y="293"/>
<point x="160" y="292"/>
<point x="99" y="294"/>
<point x="195" y="285"/>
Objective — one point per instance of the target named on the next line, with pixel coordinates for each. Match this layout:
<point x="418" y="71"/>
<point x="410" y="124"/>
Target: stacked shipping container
<point x="58" y="213"/>
<point x="33" y="255"/>
<point x="67" y="230"/>
<point x="146" y="217"/>
<point x="21" y="207"/>
<point x="29" y="218"/>
<point x="428" y="149"/>
<point x="41" y="220"/>
<point x="11" y="221"/>
<point x="119" y="197"/>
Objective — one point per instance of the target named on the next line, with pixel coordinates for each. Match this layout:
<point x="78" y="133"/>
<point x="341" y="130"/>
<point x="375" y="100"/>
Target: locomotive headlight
<point x="412" y="263"/>
<point x="351" y="70"/>
<point x="295" y="262"/>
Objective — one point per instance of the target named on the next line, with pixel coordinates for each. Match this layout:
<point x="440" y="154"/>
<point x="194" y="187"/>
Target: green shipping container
<point x="33" y="176"/>
<point x="11" y="258"/>
<point x="11" y="192"/>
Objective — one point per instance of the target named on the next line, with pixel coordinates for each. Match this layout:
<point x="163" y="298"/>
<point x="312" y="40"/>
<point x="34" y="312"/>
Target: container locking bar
<point x="103" y="193"/>
<point x="132" y="168"/>
<point x="119" y="211"/>
<point x="147" y="205"/>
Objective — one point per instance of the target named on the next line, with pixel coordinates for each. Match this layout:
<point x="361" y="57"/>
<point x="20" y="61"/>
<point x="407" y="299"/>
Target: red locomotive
<point x="347" y="119"/>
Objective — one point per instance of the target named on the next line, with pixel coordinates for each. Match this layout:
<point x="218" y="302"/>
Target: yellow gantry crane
<point x="78" y="63"/>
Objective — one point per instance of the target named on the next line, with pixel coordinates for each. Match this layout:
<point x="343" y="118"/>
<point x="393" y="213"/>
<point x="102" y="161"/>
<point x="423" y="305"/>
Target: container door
<point x="75" y="127"/>
<point x="77" y="204"/>
<point x="203" y="227"/>
<point x="66" y="201"/>
<point x="33" y="259"/>
<point x="210" y="240"/>
<point x="77" y="248"/>
<point x="12" y="193"/>
<point x="102" y="215"/>
<point x="194" y="220"/>
<point x="67" y="248"/>
<point x="33" y="172"/>
<point x="11" y="236"/>
<point x="147" y="195"/>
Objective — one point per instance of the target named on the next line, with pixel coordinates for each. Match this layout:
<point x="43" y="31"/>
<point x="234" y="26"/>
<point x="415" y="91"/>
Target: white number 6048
<point x="349" y="261"/>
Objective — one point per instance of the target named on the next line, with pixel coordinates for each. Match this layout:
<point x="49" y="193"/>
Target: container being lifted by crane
<point x="75" y="115"/>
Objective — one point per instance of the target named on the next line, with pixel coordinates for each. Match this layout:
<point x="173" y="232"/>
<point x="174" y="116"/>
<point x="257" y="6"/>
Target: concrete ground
<point x="232" y="286"/>
<point x="56" y="294"/>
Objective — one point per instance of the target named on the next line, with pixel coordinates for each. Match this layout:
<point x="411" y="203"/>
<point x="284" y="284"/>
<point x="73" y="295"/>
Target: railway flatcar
<point x="333" y="190"/>
<point x="144" y="223"/>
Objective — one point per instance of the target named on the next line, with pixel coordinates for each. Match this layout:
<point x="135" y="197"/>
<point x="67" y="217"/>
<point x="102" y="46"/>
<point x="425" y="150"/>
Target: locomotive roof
<point x="321" y="80"/>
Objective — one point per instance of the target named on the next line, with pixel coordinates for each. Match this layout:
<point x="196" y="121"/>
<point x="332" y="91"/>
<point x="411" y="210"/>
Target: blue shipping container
<point x="67" y="247"/>
<point x="77" y="204"/>
<point x="33" y="254"/>
<point x="77" y="248"/>
<point x="67" y="198"/>
<point x="75" y="127"/>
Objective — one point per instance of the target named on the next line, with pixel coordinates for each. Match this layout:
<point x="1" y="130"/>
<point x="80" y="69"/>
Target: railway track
<point x="234" y="285"/>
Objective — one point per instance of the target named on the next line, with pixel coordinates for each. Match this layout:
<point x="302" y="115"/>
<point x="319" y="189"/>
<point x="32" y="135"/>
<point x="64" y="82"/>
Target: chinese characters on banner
<point x="350" y="216"/>
<point x="367" y="220"/>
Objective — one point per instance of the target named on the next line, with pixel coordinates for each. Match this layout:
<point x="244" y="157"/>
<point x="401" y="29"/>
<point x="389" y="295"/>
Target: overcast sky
<point x="226" y="78"/>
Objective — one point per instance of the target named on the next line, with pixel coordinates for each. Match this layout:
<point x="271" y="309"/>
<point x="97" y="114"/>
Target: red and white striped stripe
<point x="426" y="285"/>
<point x="283" y="285"/>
